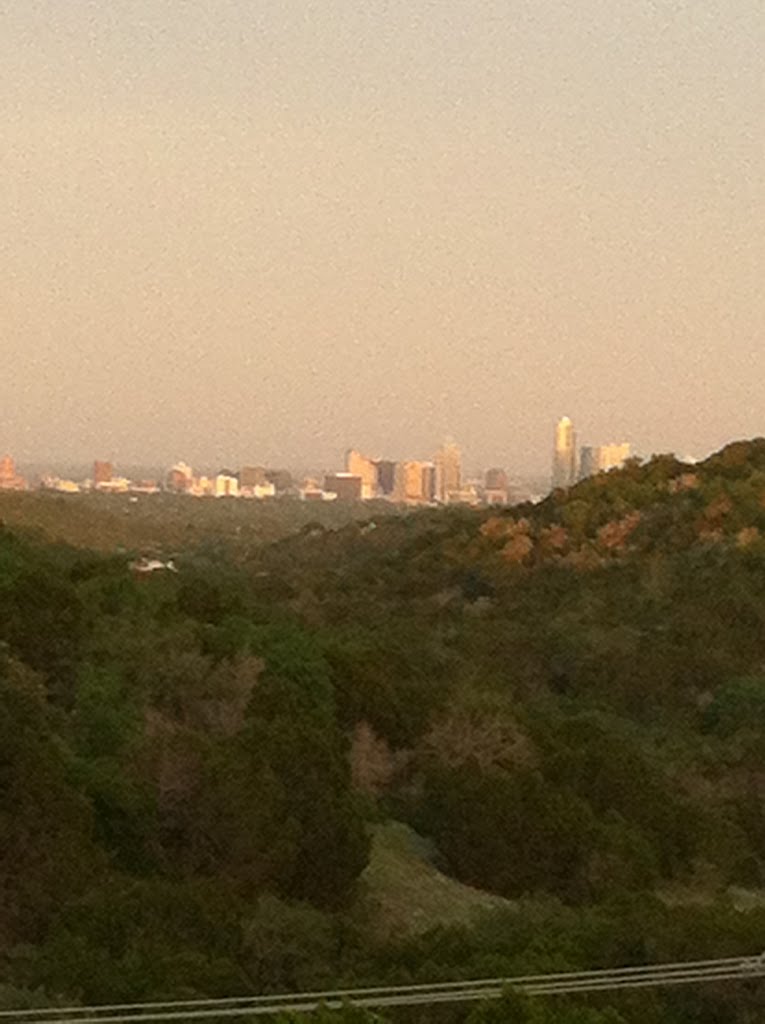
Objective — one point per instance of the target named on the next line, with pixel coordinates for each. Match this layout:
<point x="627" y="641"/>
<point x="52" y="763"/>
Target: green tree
<point x="517" y="1008"/>
<point x="348" y="1014"/>
<point x="47" y="854"/>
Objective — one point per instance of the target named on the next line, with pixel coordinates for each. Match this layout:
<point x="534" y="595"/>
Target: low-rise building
<point x="313" y="491"/>
<point x="115" y="485"/>
<point x="226" y="484"/>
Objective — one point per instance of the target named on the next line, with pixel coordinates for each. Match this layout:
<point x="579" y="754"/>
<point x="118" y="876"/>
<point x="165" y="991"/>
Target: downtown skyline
<point x="534" y="465"/>
<point x="292" y="453"/>
<point x="230" y="227"/>
<point x="575" y="456"/>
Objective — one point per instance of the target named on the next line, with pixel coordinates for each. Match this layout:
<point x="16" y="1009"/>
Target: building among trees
<point x="564" y="454"/>
<point x="601" y="458"/>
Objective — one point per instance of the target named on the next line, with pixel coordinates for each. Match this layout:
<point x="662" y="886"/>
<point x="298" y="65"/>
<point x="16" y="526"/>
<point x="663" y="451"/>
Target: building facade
<point x="386" y="477"/>
<point x="347" y="486"/>
<point x="602" y="458"/>
<point x="564" y="466"/>
<point x="179" y="478"/>
<point x="359" y="465"/>
<point x="495" y="487"/>
<point x="409" y="481"/>
<point x="613" y="456"/>
<point x="429" y="481"/>
<point x="226" y="484"/>
<point x="9" y="477"/>
<point x="448" y="463"/>
<point x="102" y="473"/>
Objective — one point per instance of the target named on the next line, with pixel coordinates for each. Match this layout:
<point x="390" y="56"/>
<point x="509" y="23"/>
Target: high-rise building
<point x="564" y="454"/>
<point x="614" y="455"/>
<point x="588" y="461"/>
<point x="429" y="481"/>
<point x="409" y="482"/>
<point x="386" y="476"/>
<point x="359" y="465"/>
<point x="602" y="458"/>
<point x="448" y="463"/>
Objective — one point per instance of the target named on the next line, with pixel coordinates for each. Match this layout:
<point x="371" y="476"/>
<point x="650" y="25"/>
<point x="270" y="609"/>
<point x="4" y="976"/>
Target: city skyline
<point x="584" y="441"/>
<point x="230" y="226"/>
<point x="440" y="479"/>
<point x="605" y="455"/>
<point x="529" y="463"/>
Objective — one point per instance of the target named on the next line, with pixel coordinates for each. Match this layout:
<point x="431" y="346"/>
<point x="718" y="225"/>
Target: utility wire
<point x="608" y="979"/>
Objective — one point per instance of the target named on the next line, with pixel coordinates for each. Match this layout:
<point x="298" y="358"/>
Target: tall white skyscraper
<point x="564" y="454"/>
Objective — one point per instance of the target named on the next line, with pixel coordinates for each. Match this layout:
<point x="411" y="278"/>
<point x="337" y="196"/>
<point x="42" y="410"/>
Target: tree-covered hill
<point x="164" y="524"/>
<point x="565" y="701"/>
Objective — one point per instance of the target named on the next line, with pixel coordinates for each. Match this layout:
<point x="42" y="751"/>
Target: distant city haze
<point x="264" y="232"/>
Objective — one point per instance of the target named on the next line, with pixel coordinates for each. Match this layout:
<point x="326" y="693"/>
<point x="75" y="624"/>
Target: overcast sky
<point x="266" y="230"/>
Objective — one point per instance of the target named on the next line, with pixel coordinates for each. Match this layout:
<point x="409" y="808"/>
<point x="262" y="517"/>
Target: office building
<point x="226" y="484"/>
<point x="448" y="464"/>
<point x="281" y="479"/>
<point x="359" y="465"/>
<point x="429" y="481"/>
<point x="180" y="478"/>
<point x="386" y="476"/>
<point x="7" y="471"/>
<point x="9" y="477"/>
<point x="409" y="481"/>
<point x="602" y="458"/>
<point x="588" y="461"/>
<point x="346" y="486"/>
<point x="102" y="473"/>
<point x="614" y="455"/>
<point x="564" y="454"/>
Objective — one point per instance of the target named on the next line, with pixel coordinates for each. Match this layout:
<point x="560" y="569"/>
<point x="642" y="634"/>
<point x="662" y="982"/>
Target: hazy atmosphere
<point x="268" y="231"/>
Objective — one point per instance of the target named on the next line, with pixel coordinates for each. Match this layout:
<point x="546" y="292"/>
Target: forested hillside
<point x="164" y="524"/>
<point x="566" y="702"/>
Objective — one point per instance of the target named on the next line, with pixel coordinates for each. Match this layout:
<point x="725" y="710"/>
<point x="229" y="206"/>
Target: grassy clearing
<point x="403" y="892"/>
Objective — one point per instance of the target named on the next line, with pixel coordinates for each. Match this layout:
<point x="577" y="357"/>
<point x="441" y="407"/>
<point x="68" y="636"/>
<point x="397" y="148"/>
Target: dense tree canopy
<point x="567" y="700"/>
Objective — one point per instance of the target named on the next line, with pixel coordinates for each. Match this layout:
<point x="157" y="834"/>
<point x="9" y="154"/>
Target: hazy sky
<point x="265" y="230"/>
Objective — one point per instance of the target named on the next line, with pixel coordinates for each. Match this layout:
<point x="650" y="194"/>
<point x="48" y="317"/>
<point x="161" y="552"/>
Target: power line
<point x="569" y="982"/>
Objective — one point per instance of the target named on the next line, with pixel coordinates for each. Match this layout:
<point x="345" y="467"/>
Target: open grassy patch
<point x="403" y="892"/>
